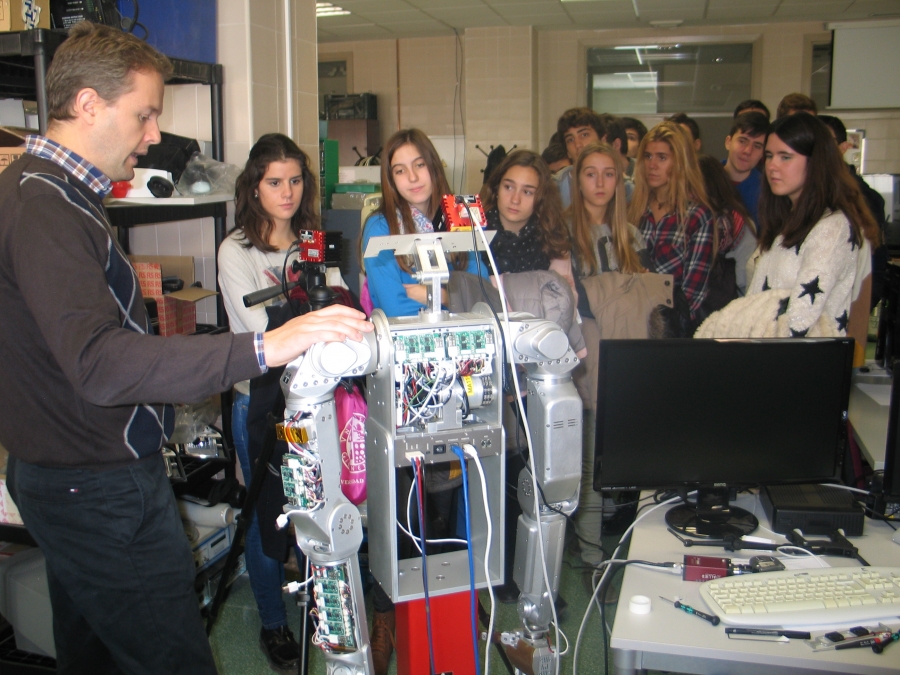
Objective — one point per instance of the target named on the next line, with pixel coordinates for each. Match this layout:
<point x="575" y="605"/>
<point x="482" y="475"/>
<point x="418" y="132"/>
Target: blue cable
<point x="420" y="489"/>
<point x="465" y="481"/>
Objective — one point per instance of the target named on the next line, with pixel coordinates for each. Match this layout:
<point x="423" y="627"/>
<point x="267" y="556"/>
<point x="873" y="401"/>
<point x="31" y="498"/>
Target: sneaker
<point x="280" y="648"/>
<point x="381" y="640"/>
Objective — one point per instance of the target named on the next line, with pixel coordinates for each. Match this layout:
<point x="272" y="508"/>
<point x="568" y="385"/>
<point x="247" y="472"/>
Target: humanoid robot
<point x="434" y="381"/>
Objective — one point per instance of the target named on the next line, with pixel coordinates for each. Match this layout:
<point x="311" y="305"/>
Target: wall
<point x="251" y="49"/>
<point x="781" y="58"/>
<point x="426" y="69"/>
<point x="501" y="93"/>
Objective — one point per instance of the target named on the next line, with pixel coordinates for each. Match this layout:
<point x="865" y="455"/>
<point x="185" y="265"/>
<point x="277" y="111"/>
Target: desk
<point x="869" y="409"/>
<point x="668" y="639"/>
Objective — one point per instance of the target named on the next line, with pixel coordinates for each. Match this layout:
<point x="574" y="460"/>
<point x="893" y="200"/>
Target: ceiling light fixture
<point x="327" y="9"/>
<point x="672" y="23"/>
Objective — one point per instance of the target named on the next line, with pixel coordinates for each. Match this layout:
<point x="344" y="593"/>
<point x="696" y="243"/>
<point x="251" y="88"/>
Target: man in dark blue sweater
<point x="745" y="144"/>
<point x="87" y="389"/>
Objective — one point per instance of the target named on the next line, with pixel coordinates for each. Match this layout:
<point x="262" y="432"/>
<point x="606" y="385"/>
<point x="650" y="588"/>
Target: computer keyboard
<point x="826" y="596"/>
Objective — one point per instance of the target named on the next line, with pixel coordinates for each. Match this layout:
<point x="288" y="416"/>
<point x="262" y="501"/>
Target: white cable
<point x="414" y="537"/>
<point x="294" y="586"/>
<point x="470" y="451"/>
<point x="537" y="505"/>
<point x="797" y="552"/>
<point x="608" y="567"/>
<point x="566" y="650"/>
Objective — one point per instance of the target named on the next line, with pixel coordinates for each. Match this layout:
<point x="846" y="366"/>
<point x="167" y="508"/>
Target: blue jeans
<point x="266" y="574"/>
<point x="120" y="571"/>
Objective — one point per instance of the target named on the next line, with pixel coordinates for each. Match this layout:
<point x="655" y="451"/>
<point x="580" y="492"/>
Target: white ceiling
<point x="388" y="19"/>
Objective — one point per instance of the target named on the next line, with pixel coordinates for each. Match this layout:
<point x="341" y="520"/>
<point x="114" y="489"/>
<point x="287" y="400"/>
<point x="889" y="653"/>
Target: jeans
<point x="119" y="568"/>
<point x="266" y="574"/>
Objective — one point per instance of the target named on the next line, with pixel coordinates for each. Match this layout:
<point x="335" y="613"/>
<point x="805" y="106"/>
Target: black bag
<point x="722" y="285"/>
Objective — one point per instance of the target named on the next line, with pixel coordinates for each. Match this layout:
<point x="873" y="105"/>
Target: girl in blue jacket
<point x="413" y="182"/>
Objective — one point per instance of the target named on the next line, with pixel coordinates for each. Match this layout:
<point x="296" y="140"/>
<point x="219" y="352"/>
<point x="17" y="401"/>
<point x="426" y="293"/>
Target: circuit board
<point x="416" y="346"/>
<point x="335" y="612"/>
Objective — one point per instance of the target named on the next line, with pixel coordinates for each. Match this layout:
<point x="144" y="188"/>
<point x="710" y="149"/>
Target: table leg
<point x="625" y="662"/>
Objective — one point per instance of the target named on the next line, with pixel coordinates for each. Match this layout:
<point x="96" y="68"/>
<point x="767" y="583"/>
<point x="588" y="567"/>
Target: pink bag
<point x="351" y="416"/>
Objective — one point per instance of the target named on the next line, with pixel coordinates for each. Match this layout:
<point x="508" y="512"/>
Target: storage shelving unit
<point x="24" y="59"/>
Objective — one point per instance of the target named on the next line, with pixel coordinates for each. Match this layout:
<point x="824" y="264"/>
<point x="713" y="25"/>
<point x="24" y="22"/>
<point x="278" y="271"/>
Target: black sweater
<point x="83" y="383"/>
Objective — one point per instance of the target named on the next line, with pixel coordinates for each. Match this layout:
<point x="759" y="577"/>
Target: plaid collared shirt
<point x="686" y="255"/>
<point x="83" y="170"/>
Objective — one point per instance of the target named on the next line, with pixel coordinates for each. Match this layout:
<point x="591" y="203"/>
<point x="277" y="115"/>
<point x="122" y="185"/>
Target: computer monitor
<point x="719" y="415"/>
<point x="890" y="486"/>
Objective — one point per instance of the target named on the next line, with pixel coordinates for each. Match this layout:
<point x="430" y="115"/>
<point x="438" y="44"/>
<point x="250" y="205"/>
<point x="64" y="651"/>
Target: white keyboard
<point x="827" y="596"/>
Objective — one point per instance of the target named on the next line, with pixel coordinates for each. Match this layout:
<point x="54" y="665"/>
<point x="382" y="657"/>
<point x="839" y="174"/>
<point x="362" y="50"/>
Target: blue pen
<point x="714" y="620"/>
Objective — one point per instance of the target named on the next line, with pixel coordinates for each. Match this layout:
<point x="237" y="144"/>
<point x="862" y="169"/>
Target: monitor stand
<point x="711" y="516"/>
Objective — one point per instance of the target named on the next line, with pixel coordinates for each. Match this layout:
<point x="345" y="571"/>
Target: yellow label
<point x="467" y="383"/>
<point x="455" y="469"/>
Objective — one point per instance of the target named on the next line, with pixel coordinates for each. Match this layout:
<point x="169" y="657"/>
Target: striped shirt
<point x="75" y="164"/>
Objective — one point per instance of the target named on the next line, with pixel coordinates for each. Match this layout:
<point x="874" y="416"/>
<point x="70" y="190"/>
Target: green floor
<point x="235" y="638"/>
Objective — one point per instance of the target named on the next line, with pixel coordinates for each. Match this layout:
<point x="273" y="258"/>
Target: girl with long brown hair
<point x="412" y="182"/>
<point x="522" y="203"/>
<point x="813" y="222"/>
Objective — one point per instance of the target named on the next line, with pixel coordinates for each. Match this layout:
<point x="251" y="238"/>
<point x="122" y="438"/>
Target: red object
<point x="312" y="246"/>
<point x="120" y="189"/>
<point x="704" y="568"/>
<point x="451" y="628"/>
<point x="458" y="208"/>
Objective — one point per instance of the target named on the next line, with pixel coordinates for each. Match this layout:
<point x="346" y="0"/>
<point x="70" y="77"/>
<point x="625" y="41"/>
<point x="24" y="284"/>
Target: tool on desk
<point x="879" y="645"/>
<point x="858" y="636"/>
<point x="772" y="632"/>
<point x="714" y="620"/>
<point x="866" y="641"/>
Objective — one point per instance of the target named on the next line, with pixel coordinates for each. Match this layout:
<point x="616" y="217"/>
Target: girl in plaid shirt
<point x="671" y="210"/>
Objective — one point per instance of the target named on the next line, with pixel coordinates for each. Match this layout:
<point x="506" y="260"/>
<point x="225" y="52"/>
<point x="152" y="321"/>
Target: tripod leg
<point x="244" y="520"/>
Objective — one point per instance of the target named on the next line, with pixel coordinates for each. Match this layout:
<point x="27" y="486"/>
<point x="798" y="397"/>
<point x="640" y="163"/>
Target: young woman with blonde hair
<point x="603" y="241"/>
<point x="670" y="208"/>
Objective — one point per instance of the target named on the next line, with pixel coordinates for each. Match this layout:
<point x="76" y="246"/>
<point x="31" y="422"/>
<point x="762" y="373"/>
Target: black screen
<point x="891" y="485"/>
<point x="672" y="413"/>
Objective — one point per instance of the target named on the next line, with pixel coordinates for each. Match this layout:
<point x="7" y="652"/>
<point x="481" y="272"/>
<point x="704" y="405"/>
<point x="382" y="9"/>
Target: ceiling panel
<point x="329" y="22"/>
<point x="529" y="7"/>
<point x="823" y="9"/>
<point x="373" y="5"/>
<point x="387" y="18"/>
<point x="456" y="17"/>
<point x="421" y="18"/>
<point x="733" y="14"/>
<point x="543" y="20"/>
<point x="369" y="32"/>
<point x="444" y="4"/>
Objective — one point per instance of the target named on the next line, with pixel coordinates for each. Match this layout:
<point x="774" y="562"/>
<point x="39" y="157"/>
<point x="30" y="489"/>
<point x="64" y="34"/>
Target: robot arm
<point x="555" y="422"/>
<point x="327" y="526"/>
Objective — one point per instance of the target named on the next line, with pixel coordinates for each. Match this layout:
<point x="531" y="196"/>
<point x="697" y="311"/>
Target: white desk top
<point x="869" y="409"/>
<point x="669" y="639"/>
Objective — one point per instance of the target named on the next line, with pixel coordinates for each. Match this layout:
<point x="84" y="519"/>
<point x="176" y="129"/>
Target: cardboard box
<point x="12" y="144"/>
<point x="18" y="15"/>
<point x="177" y="311"/>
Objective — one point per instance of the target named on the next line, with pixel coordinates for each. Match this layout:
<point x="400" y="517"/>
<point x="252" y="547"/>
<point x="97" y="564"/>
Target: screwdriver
<point x="714" y="620"/>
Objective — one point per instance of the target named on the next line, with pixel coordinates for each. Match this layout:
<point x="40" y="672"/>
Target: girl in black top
<point x="523" y="205"/>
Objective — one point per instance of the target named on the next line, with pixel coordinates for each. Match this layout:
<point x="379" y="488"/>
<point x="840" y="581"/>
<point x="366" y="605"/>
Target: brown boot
<point x="381" y="640"/>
